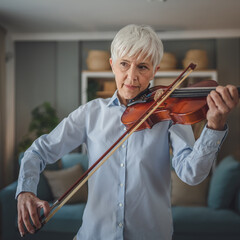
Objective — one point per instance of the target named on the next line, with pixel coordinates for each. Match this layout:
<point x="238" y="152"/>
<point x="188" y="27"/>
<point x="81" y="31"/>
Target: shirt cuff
<point x="213" y="138"/>
<point x="28" y="185"/>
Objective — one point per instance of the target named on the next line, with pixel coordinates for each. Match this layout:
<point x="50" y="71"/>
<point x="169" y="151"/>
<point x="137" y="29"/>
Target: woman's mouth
<point x="131" y="87"/>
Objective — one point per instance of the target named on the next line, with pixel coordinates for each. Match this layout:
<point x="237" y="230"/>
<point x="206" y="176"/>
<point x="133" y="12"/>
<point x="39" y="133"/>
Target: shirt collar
<point x="114" y="101"/>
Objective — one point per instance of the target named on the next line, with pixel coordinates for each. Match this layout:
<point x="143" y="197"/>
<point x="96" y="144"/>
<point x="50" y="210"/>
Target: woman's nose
<point x="132" y="73"/>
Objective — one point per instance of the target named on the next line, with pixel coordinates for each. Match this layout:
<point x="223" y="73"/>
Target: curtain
<point x="2" y="103"/>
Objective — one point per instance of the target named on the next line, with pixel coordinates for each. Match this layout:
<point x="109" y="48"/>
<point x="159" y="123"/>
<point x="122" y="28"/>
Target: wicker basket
<point x="168" y="61"/>
<point x="198" y="57"/>
<point x="98" y="60"/>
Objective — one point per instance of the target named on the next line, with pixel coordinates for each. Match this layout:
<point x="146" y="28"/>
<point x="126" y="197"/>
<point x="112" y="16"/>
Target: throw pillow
<point x="44" y="190"/>
<point x="224" y="183"/>
<point x="61" y="180"/>
<point x="186" y="195"/>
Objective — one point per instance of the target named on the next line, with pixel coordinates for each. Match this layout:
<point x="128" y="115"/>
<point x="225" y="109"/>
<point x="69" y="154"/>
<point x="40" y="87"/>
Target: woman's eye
<point x="124" y="64"/>
<point x="142" y="67"/>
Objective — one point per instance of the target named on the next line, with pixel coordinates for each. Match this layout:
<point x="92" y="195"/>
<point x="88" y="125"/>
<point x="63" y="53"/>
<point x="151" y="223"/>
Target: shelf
<point x="172" y="73"/>
<point x="86" y="75"/>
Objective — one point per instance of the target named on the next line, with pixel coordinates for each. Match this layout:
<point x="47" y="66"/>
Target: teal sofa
<point x="219" y="220"/>
<point x="64" y="224"/>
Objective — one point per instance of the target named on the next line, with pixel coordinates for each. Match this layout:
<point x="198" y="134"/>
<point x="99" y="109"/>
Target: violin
<point x="184" y="105"/>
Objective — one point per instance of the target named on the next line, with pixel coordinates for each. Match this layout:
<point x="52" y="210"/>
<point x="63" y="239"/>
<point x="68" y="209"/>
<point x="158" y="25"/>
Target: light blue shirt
<point x="129" y="196"/>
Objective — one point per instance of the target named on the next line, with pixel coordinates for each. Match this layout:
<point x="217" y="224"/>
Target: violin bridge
<point x="158" y="93"/>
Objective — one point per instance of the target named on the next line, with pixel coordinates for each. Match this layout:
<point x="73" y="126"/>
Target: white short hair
<point x="133" y="40"/>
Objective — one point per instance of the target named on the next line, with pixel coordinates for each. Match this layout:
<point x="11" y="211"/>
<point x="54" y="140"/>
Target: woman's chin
<point x="130" y="96"/>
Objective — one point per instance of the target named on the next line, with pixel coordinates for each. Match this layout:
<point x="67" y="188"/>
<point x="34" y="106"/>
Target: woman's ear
<point x="156" y="69"/>
<point x="111" y="63"/>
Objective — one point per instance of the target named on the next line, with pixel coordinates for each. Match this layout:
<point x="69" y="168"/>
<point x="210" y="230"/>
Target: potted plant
<point x="44" y="120"/>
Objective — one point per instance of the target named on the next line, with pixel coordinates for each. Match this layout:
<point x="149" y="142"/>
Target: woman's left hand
<point x="220" y="103"/>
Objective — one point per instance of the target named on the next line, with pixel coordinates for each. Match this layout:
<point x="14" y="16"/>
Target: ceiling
<point x="68" y="16"/>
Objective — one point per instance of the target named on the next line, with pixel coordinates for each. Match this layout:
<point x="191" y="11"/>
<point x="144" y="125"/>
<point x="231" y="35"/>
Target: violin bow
<point x="84" y="178"/>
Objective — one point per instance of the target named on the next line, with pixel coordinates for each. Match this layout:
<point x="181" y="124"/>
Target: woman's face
<point x="132" y="76"/>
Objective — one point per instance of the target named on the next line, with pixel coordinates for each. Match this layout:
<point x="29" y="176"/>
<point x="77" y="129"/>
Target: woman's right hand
<point x="29" y="208"/>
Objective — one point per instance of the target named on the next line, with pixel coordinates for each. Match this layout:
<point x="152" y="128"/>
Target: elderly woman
<point x="129" y="196"/>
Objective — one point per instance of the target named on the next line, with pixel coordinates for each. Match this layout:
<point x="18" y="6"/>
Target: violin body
<point x="184" y="106"/>
<point x="179" y="110"/>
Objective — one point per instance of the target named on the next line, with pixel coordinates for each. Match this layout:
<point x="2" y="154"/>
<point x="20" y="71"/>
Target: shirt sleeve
<point x="47" y="149"/>
<point x="192" y="160"/>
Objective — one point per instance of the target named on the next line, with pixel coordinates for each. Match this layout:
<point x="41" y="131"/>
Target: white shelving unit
<point x="86" y="75"/>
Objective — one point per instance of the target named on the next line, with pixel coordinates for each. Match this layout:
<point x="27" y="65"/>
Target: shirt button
<point x="123" y="146"/>
<point x="218" y="142"/>
<point x="120" y="204"/>
<point x="122" y="165"/>
<point x="125" y="129"/>
<point x="120" y="225"/>
<point x="121" y="185"/>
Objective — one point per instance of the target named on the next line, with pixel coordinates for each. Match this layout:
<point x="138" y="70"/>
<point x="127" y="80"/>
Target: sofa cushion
<point x="224" y="183"/>
<point x="204" y="221"/>
<point x="72" y="159"/>
<point x="61" y="180"/>
<point x="183" y="194"/>
<point x="43" y="190"/>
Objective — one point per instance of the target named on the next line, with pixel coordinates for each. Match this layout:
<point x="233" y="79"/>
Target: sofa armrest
<point x="237" y="201"/>
<point x="8" y="206"/>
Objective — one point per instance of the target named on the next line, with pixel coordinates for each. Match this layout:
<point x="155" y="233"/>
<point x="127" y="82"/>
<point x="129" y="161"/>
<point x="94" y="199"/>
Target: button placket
<point x="121" y="191"/>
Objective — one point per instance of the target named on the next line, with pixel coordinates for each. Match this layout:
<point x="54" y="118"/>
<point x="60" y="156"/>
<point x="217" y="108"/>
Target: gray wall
<point x="228" y="67"/>
<point x="45" y="71"/>
<point x="67" y="78"/>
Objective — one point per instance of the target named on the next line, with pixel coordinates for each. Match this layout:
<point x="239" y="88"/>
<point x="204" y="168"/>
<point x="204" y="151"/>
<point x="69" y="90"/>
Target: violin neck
<point x="195" y="92"/>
